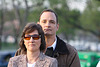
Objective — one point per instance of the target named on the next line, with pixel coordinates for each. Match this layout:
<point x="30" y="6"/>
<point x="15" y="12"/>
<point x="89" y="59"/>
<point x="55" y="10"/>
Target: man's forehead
<point x="48" y="15"/>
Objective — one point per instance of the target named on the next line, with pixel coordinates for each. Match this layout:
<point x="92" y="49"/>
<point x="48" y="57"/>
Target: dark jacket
<point x="66" y="55"/>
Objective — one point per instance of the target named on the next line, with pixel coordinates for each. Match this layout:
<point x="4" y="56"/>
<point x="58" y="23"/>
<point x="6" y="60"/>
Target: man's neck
<point x="49" y="40"/>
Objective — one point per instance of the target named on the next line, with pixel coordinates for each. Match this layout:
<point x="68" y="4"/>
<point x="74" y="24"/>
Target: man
<point x="65" y="54"/>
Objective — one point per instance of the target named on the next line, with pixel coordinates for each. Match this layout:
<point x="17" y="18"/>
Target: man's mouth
<point x="47" y="29"/>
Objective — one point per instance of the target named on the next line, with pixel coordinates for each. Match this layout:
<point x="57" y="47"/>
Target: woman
<point x="33" y="45"/>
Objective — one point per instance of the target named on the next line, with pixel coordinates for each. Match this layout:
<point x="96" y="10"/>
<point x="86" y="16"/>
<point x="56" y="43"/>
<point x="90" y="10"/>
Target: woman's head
<point x="32" y="35"/>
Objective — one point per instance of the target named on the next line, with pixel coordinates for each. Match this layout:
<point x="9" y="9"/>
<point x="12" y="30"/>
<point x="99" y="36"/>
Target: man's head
<point x="49" y="10"/>
<point x="49" y="22"/>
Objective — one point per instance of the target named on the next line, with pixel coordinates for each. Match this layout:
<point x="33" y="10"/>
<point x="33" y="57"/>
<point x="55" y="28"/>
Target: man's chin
<point x="47" y="34"/>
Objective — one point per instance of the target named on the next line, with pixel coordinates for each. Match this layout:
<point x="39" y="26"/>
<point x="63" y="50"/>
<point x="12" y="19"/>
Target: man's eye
<point x="44" y="21"/>
<point x="52" y="21"/>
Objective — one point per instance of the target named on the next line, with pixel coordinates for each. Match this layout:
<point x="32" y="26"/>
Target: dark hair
<point x="30" y="27"/>
<point x="49" y="10"/>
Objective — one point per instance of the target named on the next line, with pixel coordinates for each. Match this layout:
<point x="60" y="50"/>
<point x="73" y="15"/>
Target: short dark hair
<point x="30" y="27"/>
<point x="49" y="10"/>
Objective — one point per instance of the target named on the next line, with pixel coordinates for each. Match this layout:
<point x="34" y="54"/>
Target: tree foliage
<point x="90" y="19"/>
<point x="68" y="19"/>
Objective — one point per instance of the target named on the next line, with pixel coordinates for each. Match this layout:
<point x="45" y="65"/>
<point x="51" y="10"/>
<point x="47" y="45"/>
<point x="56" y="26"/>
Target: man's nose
<point x="47" y="24"/>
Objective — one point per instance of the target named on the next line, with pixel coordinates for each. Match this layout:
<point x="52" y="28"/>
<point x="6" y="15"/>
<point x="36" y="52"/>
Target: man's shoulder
<point x="70" y="48"/>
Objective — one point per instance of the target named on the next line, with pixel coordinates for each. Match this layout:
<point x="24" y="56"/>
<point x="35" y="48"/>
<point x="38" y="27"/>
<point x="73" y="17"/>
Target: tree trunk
<point x="1" y="28"/>
<point x="21" y="20"/>
<point x="2" y="23"/>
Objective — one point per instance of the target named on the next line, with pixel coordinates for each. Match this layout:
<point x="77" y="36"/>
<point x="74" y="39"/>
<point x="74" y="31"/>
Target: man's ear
<point x="57" y="27"/>
<point x="38" y="22"/>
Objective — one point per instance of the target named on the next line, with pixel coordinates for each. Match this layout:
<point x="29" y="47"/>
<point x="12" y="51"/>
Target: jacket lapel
<point x="22" y="61"/>
<point x="41" y="61"/>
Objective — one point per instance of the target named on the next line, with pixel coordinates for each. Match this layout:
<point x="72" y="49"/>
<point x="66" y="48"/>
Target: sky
<point x="77" y="4"/>
<point x="73" y="4"/>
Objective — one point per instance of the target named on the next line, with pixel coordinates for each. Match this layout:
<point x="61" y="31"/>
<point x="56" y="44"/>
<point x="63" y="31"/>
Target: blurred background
<point x="79" y="22"/>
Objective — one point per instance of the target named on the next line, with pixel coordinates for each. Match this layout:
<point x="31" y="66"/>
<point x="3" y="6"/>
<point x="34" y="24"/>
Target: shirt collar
<point x="54" y="44"/>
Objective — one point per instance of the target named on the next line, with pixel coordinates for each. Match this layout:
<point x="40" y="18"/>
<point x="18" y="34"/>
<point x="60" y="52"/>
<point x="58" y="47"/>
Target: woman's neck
<point x="32" y="56"/>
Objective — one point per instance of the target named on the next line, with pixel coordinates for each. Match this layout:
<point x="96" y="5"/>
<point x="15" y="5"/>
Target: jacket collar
<point x="61" y="47"/>
<point x="41" y="56"/>
<point x="41" y="61"/>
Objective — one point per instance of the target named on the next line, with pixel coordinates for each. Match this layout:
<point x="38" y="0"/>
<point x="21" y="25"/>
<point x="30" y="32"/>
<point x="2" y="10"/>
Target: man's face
<point x="49" y="23"/>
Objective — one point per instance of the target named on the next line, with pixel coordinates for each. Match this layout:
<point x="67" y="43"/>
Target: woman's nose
<point x="31" y="39"/>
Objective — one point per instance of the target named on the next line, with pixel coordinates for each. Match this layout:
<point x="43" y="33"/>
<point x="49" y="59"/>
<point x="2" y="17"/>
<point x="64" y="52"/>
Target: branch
<point x="82" y="28"/>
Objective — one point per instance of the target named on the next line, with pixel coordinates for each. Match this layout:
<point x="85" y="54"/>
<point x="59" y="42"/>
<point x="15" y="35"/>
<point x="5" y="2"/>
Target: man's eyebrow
<point x="52" y="20"/>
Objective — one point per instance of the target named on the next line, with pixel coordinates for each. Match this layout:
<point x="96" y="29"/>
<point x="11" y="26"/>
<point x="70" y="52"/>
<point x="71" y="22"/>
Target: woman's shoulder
<point x="50" y="58"/>
<point x="52" y="61"/>
<point x="15" y="58"/>
<point x="47" y="58"/>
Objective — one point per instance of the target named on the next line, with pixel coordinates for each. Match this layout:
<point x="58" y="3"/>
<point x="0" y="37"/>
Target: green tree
<point x="90" y="19"/>
<point x="67" y="18"/>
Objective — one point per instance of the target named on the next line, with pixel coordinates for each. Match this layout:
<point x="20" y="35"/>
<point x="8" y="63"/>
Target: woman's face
<point x="32" y="41"/>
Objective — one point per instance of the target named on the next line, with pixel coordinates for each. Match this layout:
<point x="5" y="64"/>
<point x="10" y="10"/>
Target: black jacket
<point x="66" y="54"/>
